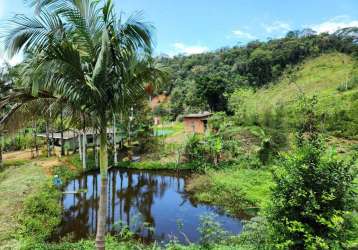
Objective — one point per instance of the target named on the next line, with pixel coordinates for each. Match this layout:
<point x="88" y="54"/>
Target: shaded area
<point x="150" y="203"/>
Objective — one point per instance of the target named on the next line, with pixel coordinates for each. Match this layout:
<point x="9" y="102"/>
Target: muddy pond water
<point x="153" y="204"/>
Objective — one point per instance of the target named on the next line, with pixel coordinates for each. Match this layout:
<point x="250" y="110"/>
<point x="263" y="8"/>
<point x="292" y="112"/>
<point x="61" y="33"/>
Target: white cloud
<point x="181" y="48"/>
<point x="243" y="34"/>
<point x="334" y="24"/>
<point x="277" y="26"/>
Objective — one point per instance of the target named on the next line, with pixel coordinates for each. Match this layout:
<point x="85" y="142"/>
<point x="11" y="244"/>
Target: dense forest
<point x="205" y="81"/>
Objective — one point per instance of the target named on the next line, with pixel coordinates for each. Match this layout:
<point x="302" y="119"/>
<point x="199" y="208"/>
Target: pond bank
<point x="236" y="189"/>
<point x="46" y="200"/>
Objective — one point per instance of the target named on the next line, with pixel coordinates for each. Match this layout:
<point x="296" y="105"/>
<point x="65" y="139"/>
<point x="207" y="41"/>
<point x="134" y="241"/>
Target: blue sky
<point x="195" y="26"/>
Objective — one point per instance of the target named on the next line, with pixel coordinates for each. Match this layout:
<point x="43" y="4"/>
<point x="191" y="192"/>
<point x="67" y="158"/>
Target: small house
<point x="71" y="140"/>
<point x="196" y="123"/>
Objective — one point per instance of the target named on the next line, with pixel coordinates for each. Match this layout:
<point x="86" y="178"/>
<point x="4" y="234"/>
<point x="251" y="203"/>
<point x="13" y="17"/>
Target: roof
<point x="200" y="115"/>
<point x="66" y="135"/>
<point x="69" y="134"/>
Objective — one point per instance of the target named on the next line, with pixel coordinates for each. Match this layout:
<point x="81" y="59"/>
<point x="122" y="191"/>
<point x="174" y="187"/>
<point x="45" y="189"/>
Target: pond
<point x="163" y="132"/>
<point x="154" y="205"/>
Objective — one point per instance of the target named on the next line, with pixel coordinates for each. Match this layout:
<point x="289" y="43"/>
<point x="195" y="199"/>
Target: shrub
<point x="312" y="201"/>
<point x="40" y="215"/>
<point x="255" y="234"/>
<point x="211" y="231"/>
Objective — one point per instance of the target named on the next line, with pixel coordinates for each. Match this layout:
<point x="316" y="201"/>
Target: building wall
<point x="194" y="125"/>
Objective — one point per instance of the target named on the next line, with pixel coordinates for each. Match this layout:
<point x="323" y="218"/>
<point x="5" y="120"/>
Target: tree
<point x="89" y="59"/>
<point x="313" y="198"/>
<point x="212" y="90"/>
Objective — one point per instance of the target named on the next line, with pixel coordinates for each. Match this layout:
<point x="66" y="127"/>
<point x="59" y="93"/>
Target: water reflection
<point x="143" y="200"/>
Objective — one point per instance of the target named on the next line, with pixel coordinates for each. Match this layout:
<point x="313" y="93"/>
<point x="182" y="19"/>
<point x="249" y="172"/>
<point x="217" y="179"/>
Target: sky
<point x="196" y="26"/>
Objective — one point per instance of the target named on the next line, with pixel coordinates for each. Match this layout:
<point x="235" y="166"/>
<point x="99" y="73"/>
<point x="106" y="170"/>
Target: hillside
<point x="205" y="81"/>
<point x="318" y="76"/>
<point x="330" y="77"/>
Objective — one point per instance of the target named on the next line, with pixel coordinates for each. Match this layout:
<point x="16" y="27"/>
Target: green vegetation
<point x="236" y="189"/>
<point x="156" y="165"/>
<point x="277" y="106"/>
<point x="16" y="183"/>
<point x="313" y="201"/>
<point x="40" y="216"/>
<point x="205" y="81"/>
<point x="320" y="76"/>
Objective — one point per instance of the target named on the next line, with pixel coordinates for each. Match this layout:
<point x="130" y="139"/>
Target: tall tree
<point x="89" y="59"/>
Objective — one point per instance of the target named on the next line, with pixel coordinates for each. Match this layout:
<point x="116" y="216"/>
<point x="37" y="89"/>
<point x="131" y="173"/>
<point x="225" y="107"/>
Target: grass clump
<point x="41" y="214"/>
<point x="234" y="188"/>
<point x="155" y="165"/>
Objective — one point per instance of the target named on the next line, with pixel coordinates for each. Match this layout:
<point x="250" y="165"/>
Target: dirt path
<point x="18" y="155"/>
<point x="46" y="163"/>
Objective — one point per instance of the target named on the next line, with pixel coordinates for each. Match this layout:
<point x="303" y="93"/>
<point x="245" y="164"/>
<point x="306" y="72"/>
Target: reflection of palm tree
<point x="134" y="197"/>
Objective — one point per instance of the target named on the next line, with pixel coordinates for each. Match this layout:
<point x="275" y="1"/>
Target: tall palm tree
<point x="5" y="87"/>
<point x="90" y="59"/>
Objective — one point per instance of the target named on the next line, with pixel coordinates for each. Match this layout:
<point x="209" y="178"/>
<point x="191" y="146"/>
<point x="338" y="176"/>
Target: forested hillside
<point x="205" y="81"/>
<point x="329" y="77"/>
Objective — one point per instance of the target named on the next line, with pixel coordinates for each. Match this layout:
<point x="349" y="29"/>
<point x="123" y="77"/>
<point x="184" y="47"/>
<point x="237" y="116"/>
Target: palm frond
<point x="33" y="33"/>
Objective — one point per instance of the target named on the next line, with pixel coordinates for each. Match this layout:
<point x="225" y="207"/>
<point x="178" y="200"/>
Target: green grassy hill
<point x="331" y="77"/>
<point x="319" y="76"/>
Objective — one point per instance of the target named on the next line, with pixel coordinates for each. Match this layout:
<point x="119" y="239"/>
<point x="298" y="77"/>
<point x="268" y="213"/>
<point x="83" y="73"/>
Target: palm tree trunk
<point x="62" y="141"/>
<point x="53" y="143"/>
<point x="35" y="140"/>
<point x="48" y="138"/>
<point x="95" y="149"/>
<point x="102" y="213"/>
<point x="84" y="144"/>
<point x="79" y="145"/>
<point x="84" y="153"/>
<point x="1" y="145"/>
<point x="114" y="142"/>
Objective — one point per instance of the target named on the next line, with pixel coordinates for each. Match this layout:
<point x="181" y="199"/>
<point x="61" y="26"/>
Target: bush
<point x="211" y="231"/>
<point x="255" y="234"/>
<point x="312" y="201"/>
<point x="65" y="173"/>
<point x="41" y="215"/>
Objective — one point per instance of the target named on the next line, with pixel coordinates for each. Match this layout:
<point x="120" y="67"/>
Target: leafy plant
<point x="211" y="231"/>
<point x="313" y="198"/>
<point x="41" y="215"/>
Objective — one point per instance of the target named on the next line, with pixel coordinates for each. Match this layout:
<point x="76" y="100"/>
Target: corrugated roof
<point x="73" y="133"/>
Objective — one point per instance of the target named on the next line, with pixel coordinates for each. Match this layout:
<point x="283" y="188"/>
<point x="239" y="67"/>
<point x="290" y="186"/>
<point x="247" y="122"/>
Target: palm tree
<point x="5" y="86"/>
<point x="91" y="60"/>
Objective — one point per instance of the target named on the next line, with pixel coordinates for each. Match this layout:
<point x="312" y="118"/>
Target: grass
<point x="321" y="76"/>
<point x="15" y="162"/>
<point x="235" y="189"/>
<point x="17" y="183"/>
<point x="156" y="165"/>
